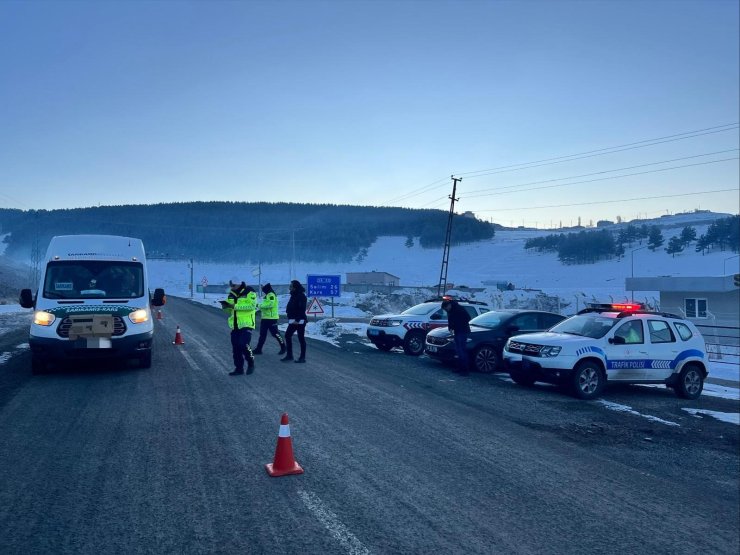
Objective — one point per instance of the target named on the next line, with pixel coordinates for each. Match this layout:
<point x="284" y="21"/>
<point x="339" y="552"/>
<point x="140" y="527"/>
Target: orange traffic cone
<point x="284" y="462"/>
<point x="178" y="338"/>
<point x="159" y="314"/>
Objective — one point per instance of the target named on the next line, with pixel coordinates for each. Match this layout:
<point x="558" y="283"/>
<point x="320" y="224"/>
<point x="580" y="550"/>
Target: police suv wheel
<point x="413" y="343"/>
<point x="486" y="360"/>
<point x="690" y="382"/>
<point x="587" y="380"/>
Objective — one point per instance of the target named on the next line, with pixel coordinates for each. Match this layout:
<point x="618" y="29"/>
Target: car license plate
<point x="431" y="348"/>
<point x="373" y="332"/>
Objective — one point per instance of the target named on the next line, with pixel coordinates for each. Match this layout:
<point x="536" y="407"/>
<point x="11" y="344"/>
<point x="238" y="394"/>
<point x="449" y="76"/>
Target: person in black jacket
<point x="296" y="312"/>
<point x="458" y="323"/>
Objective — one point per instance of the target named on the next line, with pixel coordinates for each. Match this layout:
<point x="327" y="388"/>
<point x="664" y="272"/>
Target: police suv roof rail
<point x="452" y="298"/>
<point x="626" y="313"/>
<point x="653" y="312"/>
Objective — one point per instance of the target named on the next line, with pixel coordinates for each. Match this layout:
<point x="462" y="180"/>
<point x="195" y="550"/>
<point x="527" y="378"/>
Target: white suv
<point x="612" y="343"/>
<point x="409" y="329"/>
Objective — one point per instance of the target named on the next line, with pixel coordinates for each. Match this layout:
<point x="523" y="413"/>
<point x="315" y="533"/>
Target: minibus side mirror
<point x="26" y="299"/>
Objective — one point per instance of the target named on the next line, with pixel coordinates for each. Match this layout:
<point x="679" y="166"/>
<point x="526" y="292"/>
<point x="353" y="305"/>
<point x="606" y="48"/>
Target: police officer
<point x="241" y="305"/>
<point x="269" y="319"/>
<point x="296" y="311"/>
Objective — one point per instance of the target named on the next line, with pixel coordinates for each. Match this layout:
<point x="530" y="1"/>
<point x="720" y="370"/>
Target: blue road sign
<point x="323" y="286"/>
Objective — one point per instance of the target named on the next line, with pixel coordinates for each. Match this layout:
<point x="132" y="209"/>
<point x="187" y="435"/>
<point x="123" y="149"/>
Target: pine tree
<point x="675" y="245"/>
<point x="655" y="238"/>
<point x="701" y="244"/>
<point x="688" y="234"/>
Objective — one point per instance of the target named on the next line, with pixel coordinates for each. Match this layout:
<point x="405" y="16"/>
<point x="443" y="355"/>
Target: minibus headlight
<point x="139" y="316"/>
<point x="41" y="318"/>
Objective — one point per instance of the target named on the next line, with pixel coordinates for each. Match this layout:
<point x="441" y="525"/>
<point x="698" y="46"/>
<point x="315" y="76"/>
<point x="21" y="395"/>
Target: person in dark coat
<point x="458" y="322"/>
<point x="296" y="312"/>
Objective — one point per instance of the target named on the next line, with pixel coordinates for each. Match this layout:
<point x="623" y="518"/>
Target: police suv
<point x="409" y="329"/>
<point x="612" y="343"/>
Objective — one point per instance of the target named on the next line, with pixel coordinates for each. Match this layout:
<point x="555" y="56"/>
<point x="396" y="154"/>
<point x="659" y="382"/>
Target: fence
<point x="723" y="342"/>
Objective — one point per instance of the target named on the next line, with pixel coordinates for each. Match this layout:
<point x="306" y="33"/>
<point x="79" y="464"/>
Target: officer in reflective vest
<point x="241" y="305"/>
<point x="269" y="319"/>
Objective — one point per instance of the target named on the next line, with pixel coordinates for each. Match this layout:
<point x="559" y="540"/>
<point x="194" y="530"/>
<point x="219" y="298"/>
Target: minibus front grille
<point x="119" y="326"/>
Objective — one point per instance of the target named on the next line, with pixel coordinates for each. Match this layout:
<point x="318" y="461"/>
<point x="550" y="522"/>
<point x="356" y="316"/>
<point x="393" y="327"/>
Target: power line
<point x="601" y="178"/>
<point x="604" y="151"/>
<point x="570" y="157"/>
<point x="601" y="172"/>
<point x="417" y="191"/>
<point x="608" y="201"/>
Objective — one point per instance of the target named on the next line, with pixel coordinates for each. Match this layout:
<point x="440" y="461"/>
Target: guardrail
<point x="723" y="342"/>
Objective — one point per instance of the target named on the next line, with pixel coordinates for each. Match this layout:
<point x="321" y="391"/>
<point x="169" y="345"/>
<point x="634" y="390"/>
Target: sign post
<point x="204" y="283"/>
<point x="324" y="286"/>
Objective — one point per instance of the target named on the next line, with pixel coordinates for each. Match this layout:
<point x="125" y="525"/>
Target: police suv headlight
<point x="139" y="316"/>
<point x="42" y="318"/>
<point x="550" y="351"/>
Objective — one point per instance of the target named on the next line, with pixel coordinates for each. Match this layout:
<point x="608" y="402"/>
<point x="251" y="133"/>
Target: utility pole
<point x="259" y="264"/>
<point x="191" y="279"/>
<point x="292" y="258"/>
<point x="442" y="284"/>
<point x="35" y="261"/>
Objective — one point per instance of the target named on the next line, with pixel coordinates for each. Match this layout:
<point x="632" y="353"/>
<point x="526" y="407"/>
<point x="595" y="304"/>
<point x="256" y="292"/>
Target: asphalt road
<point x="400" y="456"/>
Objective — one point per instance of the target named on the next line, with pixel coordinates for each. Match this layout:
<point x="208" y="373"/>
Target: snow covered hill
<point x="501" y="259"/>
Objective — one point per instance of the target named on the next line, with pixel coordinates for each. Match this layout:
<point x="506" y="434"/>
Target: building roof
<point x="703" y="284"/>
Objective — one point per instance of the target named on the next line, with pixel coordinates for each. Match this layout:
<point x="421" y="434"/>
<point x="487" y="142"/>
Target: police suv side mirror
<point x="159" y="298"/>
<point x="617" y="340"/>
<point x="26" y="299"/>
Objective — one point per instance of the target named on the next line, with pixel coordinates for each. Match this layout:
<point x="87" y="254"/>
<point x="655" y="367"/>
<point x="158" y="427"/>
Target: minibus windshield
<point x="93" y="279"/>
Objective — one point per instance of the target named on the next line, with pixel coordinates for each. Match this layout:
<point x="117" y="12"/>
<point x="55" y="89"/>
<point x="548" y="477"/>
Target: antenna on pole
<point x="442" y="284"/>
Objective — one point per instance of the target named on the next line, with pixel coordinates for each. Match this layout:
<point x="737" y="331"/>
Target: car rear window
<point x="684" y="331"/>
<point x="660" y="332"/>
<point x="470" y="310"/>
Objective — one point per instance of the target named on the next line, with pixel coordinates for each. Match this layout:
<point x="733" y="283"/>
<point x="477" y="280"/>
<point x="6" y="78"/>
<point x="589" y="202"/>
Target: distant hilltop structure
<point x="372" y="278"/>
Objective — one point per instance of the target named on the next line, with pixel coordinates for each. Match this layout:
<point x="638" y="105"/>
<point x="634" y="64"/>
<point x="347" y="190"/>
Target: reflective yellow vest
<point x="269" y="307"/>
<point x="244" y="306"/>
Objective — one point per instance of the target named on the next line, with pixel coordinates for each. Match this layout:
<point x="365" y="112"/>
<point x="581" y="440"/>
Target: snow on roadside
<point x="731" y="417"/>
<point x="11" y="308"/>
<point x="12" y="317"/>
<point x="330" y="329"/>
<point x="710" y="390"/>
<point x="724" y="370"/>
<point x="624" y="408"/>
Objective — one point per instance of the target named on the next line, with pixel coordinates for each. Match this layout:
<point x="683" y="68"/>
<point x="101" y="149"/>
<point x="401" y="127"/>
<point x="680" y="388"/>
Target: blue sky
<point x="371" y="103"/>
